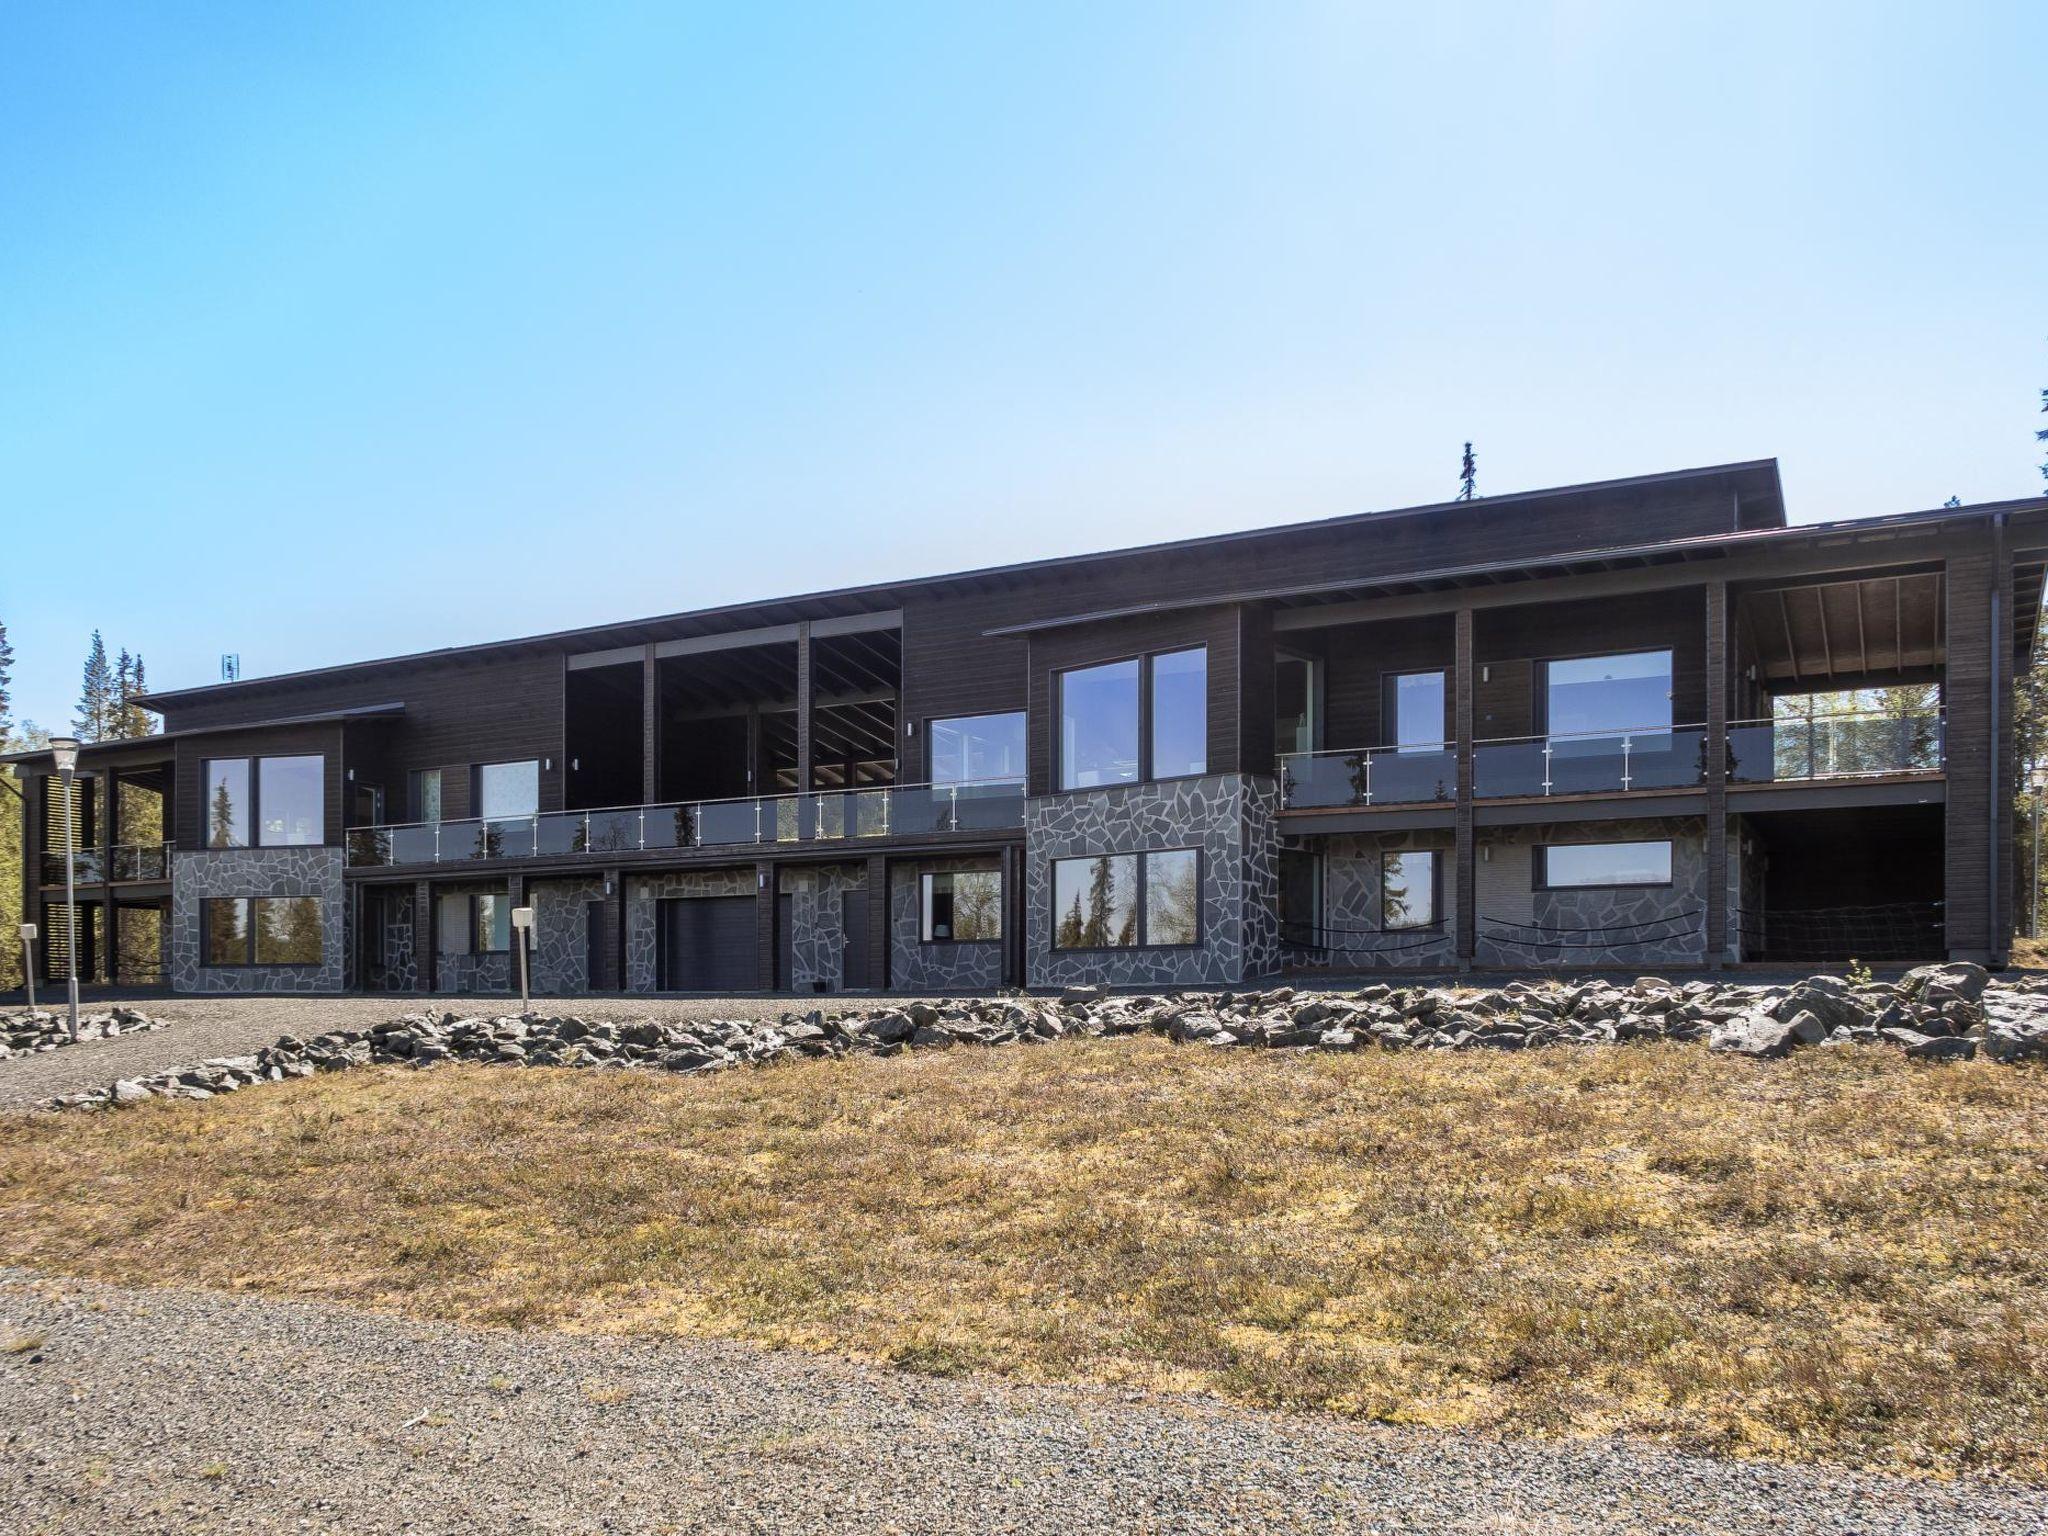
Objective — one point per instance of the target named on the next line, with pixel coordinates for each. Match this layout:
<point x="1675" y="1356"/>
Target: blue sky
<point x="334" y="331"/>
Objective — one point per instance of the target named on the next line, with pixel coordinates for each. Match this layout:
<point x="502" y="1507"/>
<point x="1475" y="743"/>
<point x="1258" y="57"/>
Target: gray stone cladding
<point x="1353" y="939"/>
<point x="915" y="966"/>
<point x="1628" y="926"/>
<point x="455" y="973"/>
<point x="401" y="966"/>
<point x="817" y="923"/>
<point x="198" y="875"/>
<point x="561" y="933"/>
<point x="1228" y="818"/>
<point x="643" y="892"/>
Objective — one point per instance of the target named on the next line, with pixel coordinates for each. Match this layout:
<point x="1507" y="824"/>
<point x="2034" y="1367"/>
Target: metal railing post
<point x="1626" y="744"/>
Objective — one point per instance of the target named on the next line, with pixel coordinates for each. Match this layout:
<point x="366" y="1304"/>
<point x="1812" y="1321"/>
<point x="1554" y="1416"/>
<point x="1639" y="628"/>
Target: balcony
<point x="1842" y="746"/>
<point x="892" y="811"/>
<point x="125" y="863"/>
<point x="1602" y="763"/>
<point x="1411" y="775"/>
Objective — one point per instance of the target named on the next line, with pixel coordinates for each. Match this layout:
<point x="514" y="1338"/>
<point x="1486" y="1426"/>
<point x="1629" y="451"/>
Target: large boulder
<point x="1934" y="986"/>
<point x="2016" y="1040"/>
<point x="1756" y="1034"/>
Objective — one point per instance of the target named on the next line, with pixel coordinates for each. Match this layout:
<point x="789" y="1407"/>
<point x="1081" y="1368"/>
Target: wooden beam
<point x="1791" y="643"/>
<point x="1827" y="650"/>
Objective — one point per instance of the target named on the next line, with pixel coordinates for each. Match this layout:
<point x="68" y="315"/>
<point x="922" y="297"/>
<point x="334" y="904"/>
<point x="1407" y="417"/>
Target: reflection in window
<point x="290" y="801"/>
<point x="1564" y="866"/>
<point x="962" y="906"/>
<point x="1418" y="709"/>
<point x="426" y="794"/>
<point x="973" y="749"/>
<point x="493" y="924"/>
<point x="1173" y="897"/>
<point x="1408" y="890"/>
<point x="227" y="803"/>
<point x="1099" y="726"/>
<point x="288" y="930"/>
<point x="224" y="931"/>
<point x="508" y="790"/>
<point x="1095" y="902"/>
<point x="1180" y="714"/>
<point x="1294" y="704"/>
<point x="1608" y="694"/>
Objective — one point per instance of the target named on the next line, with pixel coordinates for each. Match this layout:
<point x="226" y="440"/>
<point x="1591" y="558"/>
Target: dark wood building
<point x="1639" y="723"/>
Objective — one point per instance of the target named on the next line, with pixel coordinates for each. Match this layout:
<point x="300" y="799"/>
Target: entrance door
<point x="707" y="944"/>
<point x="853" y="922"/>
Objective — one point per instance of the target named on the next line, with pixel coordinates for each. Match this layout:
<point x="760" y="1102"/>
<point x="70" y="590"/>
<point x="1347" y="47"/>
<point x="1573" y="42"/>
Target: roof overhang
<point x="142" y="746"/>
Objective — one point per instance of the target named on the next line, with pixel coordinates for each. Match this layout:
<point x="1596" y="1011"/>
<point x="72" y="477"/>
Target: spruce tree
<point x="6" y="688"/>
<point x="96" y="695"/>
<point x="1468" y="476"/>
<point x="2042" y="435"/>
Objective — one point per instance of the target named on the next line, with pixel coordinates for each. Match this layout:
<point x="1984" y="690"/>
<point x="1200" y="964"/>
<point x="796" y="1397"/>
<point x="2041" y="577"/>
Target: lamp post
<point x="65" y="750"/>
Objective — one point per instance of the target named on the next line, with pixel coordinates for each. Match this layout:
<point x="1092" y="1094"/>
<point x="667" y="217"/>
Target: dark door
<point x="853" y="919"/>
<point x="370" y="972"/>
<point x="708" y="944"/>
<point x="594" y="969"/>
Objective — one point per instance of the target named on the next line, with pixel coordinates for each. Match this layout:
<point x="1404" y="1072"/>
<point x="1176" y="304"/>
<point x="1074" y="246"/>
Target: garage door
<point x="707" y="944"/>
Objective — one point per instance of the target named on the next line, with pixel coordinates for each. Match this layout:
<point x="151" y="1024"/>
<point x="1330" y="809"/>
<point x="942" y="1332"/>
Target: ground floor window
<point x="474" y="924"/>
<point x="261" y="930"/>
<point x="963" y="906"/>
<point x="1127" y="900"/>
<point x="1578" y="866"/>
<point x="1408" y="889"/>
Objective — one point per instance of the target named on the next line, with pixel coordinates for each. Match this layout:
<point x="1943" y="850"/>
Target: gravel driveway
<point x="203" y="1027"/>
<point x="179" y="1411"/>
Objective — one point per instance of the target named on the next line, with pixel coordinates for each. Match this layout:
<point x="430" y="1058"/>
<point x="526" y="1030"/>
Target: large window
<point x="261" y="930"/>
<point x="1408" y="889"/>
<point x="1125" y="721"/>
<point x="1607" y="695"/>
<point x="972" y="749"/>
<point x="287" y="809"/>
<point x="1575" y="866"/>
<point x="1415" y="706"/>
<point x="1097" y="901"/>
<point x="507" y="791"/>
<point x="962" y="906"/>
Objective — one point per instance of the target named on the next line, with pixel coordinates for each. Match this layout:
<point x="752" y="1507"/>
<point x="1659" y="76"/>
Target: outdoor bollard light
<point x="28" y="962"/>
<point x="65" y="750"/>
<point x="522" y="936"/>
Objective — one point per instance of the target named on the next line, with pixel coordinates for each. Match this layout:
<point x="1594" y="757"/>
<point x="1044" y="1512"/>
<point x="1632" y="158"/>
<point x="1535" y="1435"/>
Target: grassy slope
<point x="1839" y="1256"/>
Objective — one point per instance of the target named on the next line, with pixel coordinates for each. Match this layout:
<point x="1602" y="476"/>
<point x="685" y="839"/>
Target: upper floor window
<point x="971" y="749"/>
<point x="1295" y="712"/>
<point x="1415" y="708"/>
<point x="1570" y="866"/>
<point x="284" y="800"/>
<point x="1145" y="718"/>
<point x="1606" y="695"/>
<point x="426" y="794"/>
<point x="506" y="791"/>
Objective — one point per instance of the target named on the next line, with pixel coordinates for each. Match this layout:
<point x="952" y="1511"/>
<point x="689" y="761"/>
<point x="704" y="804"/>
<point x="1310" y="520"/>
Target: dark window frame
<point x="1143" y="887"/>
<point x="251" y="927"/>
<point x="1146" y="775"/>
<point x="252" y="763"/>
<point x="476" y="789"/>
<point x="415" y="796"/>
<point x="1539" y="866"/>
<point x="1436" y="889"/>
<point x="924" y="906"/>
<point x="476" y="926"/>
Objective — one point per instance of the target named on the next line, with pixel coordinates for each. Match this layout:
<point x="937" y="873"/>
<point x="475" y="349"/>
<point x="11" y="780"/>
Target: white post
<point x="28" y="962"/>
<point x="64" y="749"/>
<point x="522" y="934"/>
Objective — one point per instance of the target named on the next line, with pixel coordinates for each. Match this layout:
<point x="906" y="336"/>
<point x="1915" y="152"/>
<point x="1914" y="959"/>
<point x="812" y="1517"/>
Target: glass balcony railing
<point x="1409" y="775"/>
<point x="125" y="862"/>
<point x="1591" y="763"/>
<point x="903" y="810"/>
<point x="1792" y="749"/>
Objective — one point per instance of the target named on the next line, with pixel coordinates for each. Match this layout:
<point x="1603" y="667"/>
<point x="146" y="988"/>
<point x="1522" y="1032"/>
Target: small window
<point x="1408" y="887"/>
<point x="1573" y="866"/>
<point x="1097" y="901"/>
<point x="1416" y="705"/>
<point x="493" y="924"/>
<point x="426" y="794"/>
<point x="974" y="749"/>
<point x="453" y="937"/>
<point x="1099" y="726"/>
<point x="227" y="802"/>
<point x="1180" y="714"/>
<point x="291" y="801"/>
<point x="474" y="924"/>
<point x="1295" y="686"/>
<point x="1173" y="897"/>
<point x="962" y="906"/>
<point x="508" y="791"/>
<point x="264" y="930"/>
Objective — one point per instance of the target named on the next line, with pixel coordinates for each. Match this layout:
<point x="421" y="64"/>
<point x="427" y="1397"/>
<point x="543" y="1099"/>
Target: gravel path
<point x="203" y="1027"/>
<point x="183" y="1411"/>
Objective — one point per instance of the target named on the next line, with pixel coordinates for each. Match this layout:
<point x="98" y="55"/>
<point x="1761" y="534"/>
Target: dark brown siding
<point x="189" y="811"/>
<point x="951" y="668"/>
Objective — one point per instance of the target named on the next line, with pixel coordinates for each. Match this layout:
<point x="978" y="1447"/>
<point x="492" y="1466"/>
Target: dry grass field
<point x="1835" y="1257"/>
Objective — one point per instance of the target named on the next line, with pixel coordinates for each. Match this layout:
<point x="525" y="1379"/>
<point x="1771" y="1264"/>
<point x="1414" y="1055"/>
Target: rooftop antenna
<point x="230" y="667"/>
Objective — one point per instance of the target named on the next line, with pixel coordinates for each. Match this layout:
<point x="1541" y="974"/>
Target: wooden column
<point x="803" y="707"/>
<point x="1016" y="920"/>
<point x="879" y="935"/>
<point x="1717" y="773"/>
<point x="765" y="904"/>
<point x="614" y="956"/>
<point x="1971" y="858"/>
<point x="32" y="793"/>
<point x="1467" y="924"/>
<point x="650" y="729"/>
<point x="423" y="956"/>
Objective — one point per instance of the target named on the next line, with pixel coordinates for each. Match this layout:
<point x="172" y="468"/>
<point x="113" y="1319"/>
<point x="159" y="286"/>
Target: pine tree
<point x="96" y="696"/>
<point x="1468" y="476"/>
<point x="130" y="719"/>
<point x="222" y="831"/>
<point x="124" y="685"/>
<point x="2042" y="435"/>
<point x="1100" y="878"/>
<point x="6" y="688"/>
<point x="1953" y="501"/>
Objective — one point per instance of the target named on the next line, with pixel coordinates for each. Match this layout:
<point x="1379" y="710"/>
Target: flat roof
<point x="1759" y="477"/>
<point x="127" y="744"/>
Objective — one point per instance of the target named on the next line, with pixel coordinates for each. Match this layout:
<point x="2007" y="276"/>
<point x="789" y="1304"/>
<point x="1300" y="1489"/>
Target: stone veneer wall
<point x="1602" y="923"/>
<point x="915" y="966"/>
<point x="1229" y="818"/>
<point x="642" y="894"/>
<point x="561" y="938"/>
<point x="198" y="875"/>
<point x="401" y="965"/>
<point x="1351" y="905"/>
<point x="817" y="922"/>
